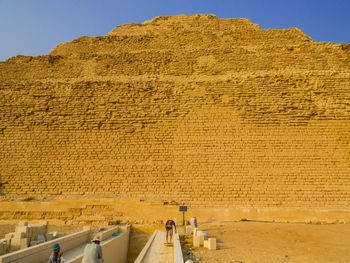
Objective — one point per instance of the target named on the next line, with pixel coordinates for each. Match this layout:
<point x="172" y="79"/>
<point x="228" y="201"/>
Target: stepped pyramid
<point x="207" y="111"/>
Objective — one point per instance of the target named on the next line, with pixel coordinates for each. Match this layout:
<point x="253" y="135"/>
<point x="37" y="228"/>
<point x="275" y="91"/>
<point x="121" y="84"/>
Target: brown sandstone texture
<point x="207" y="111"/>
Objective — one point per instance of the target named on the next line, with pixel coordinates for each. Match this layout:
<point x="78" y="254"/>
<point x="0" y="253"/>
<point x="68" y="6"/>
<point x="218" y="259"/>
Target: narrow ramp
<point x="159" y="252"/>
<point x="156" y="251"/>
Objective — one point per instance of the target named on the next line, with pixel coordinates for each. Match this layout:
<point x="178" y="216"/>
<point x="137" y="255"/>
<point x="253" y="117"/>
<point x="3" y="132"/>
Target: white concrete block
<point x="201" y="237"/>
<point x="196" y="241"/>
<point x="212" y="243"/>
<point x="206" y="243"/>
<point x="200" y="232"/>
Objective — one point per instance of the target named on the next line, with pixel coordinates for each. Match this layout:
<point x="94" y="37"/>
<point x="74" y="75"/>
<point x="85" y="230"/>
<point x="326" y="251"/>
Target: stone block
<point x="22" y="229"/>
<point x="2" y="249"/>
<point x="196" y="241"/>
<point x="23" y="223"/>
<point x="200" y="234"/>
<point x="24" y="243"/>
<point x="212" y="243"/>
<point x="8" y="236"/>
<point x="18" y="235"/>
<point x="32" y="243"/>
<point x="205" y="234"/>
<point x="206" y="243"/>
<point x="3" y="246"/>
<point x="6" y="241"/>
<point x="15" y="244"/>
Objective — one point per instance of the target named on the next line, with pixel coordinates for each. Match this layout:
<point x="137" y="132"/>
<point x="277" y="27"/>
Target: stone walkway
<point x="159" y="252"/>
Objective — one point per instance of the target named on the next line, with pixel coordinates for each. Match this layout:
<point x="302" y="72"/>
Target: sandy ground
<point x="273" y="242"/>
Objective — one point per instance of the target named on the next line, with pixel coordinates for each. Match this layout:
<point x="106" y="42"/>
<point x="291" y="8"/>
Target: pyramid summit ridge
<point x="209" y="21"/>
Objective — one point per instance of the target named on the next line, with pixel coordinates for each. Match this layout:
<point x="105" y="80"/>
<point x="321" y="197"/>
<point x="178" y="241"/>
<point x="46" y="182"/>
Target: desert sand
<point x="273" y="242"/>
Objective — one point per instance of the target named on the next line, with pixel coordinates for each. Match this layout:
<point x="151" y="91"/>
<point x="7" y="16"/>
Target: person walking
<point x="93" y="252"/>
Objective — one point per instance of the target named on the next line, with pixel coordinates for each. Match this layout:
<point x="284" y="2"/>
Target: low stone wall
<point x="114" y="249"/>
<point x="41" y="252"/>
<point x="144" y="251"/>
<point x="178" y="257"/>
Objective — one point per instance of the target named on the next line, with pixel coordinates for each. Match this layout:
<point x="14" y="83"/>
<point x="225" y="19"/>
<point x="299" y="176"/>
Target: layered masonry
<point x="197" y="109"/>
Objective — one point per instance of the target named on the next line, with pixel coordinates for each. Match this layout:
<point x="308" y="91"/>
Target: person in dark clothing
<point x="56" y="254"/>
<point x="169" y="225"/>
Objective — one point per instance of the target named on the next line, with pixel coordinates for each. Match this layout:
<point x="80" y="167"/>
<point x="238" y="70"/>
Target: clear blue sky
<point x="35" y="27"/>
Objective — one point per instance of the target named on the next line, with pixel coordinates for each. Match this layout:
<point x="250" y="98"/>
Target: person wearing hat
<point x="93" y="252"/>
<point x="56" y="254"/>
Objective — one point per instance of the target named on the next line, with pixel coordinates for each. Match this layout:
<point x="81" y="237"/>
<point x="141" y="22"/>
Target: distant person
<point x="93" y="252"/>
<point x="169" y="225"/>
<point x="56" y="254"/>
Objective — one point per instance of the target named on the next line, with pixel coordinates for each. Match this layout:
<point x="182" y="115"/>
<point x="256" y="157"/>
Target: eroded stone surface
<point x="195" y="109"/>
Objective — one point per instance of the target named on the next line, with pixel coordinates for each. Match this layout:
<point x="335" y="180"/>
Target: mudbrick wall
<point x="195" y="109"/>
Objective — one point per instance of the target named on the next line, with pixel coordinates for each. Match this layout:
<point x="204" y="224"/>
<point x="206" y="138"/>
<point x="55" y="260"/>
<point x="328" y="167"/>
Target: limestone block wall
<point x="197" y="147"/>
<point x="239" y="117"/>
